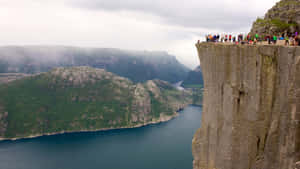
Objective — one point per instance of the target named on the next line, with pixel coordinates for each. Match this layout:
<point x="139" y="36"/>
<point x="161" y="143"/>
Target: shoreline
<point x="157" y="121"/>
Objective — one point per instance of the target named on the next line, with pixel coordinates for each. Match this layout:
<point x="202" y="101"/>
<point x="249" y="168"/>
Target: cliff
<point x="251" y="107"/>
<point x="83" y="99"/>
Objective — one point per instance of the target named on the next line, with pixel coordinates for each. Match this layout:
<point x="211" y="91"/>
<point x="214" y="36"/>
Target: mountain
<point x="83" y="99"/>
<point x="194" y="83"/>
<point x="139" y="66"/>
<point x="194" y="79"/>
<point x="284" y="17"/>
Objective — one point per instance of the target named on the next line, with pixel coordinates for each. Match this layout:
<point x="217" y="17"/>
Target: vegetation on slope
<point x="83" y="98"/>
<point x="283" y="18"/>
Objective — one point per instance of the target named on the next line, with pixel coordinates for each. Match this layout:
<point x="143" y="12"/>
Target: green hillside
<point x="83" y="99"/>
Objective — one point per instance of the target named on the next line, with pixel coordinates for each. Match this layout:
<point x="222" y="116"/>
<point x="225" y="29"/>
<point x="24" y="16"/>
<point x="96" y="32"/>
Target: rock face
<point x="251" y="109"/>
<point x="284" y="17"/>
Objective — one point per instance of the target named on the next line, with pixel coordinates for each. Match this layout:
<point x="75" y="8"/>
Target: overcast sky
<point x="169" y="25"/>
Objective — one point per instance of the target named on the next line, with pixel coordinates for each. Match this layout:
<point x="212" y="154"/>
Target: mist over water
<point x="161" y="146"/>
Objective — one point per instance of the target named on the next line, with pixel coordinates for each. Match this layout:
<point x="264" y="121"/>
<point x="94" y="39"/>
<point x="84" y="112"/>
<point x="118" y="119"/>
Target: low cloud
<point x="169" y="25"/>
<point x="228" y="15"/>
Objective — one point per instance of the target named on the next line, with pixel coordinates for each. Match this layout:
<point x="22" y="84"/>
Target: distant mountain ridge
<point x="194" y="82"/>
<point x="193" y="78"/>
<point x="83" y="99"/>
<point x="138" y="66"/>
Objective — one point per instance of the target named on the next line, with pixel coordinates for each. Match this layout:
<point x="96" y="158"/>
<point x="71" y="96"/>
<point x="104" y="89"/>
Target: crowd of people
<point x="291" y="40"/>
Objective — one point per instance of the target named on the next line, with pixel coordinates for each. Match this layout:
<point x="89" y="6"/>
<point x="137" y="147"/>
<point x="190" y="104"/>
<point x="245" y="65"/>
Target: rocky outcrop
<point x="251" y="107"/>
<point x="283" y="18"/>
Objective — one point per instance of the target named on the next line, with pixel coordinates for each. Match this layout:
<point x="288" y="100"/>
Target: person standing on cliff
<point x="297" y="41"/>
<point x="292" y="41"/>
<point x="240" y="38"/>
<point x="210" y="38"/>
<point x="275" y="39"/>
<point x="234" y="39"/>
<point x="218" y="38"/>
<point x="256" y="37"/>
<point x="287" y="41"/>
<point x="222" y="38"/>
<point x="269" y="39"/>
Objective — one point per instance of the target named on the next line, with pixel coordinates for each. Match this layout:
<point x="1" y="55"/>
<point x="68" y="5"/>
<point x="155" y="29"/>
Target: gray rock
<point x="251" y="107"/>
<point x="284" y="17"/>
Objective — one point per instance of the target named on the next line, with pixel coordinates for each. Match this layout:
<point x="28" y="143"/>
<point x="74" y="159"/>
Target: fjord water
<point x="160" y="146"/>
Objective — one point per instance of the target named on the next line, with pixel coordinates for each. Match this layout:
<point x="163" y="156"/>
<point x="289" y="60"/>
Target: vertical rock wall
<point x="251" y="107"/>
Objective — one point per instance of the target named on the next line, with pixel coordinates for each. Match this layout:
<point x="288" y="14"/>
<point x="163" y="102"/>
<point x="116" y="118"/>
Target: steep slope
<point x="251" y="108"/>
<point x="284" y="17"/>
<point x="83" y="99"/>
<point x="139" y="66"/>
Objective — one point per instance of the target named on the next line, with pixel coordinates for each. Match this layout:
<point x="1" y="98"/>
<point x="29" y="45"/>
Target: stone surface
<point x="251" y="107"/>
<point x="284" y="17"/>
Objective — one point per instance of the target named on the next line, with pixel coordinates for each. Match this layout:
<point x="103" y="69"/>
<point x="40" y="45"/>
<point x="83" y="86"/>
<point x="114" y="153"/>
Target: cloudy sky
<point x="169" y="25"/>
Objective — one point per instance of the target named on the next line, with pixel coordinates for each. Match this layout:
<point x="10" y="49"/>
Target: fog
<point x="173" y="26"/>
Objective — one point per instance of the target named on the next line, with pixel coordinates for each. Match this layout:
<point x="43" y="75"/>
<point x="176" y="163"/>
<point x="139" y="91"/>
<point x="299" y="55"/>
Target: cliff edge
<point x="251" y="107"/>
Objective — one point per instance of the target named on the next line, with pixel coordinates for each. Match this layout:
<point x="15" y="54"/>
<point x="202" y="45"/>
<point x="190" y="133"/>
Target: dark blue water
<point x="161" y="146"/>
